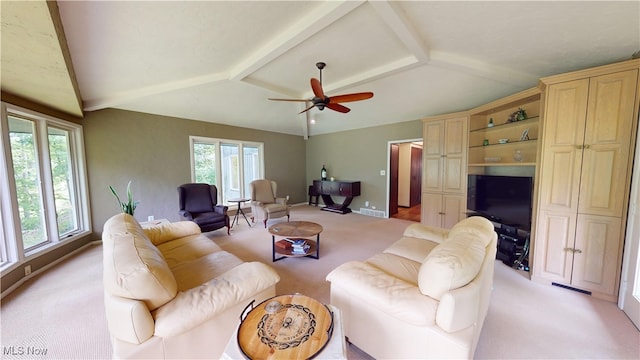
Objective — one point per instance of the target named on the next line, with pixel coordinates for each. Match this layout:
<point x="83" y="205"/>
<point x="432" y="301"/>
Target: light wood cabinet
<point x="444" y="179"/>
<point x="584" y="177"/>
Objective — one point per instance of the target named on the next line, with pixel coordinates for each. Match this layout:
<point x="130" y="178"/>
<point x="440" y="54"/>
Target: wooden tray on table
<point x="285" y="327"/>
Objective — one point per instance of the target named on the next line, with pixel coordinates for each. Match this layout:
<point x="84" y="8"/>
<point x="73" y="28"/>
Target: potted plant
<point x="127" y="207"/>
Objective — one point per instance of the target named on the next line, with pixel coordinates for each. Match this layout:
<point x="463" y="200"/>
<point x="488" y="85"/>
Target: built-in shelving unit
<point x="491" y="123"/>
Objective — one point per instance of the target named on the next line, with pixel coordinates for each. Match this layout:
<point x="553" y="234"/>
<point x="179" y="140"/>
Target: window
<point x="43" y="184"/>
<point x="228" y="164"/>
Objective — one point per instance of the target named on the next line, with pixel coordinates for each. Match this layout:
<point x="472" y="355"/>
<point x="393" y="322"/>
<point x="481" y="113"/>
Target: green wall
<point x="153" y="152"/>
<point x="359" y="155"/>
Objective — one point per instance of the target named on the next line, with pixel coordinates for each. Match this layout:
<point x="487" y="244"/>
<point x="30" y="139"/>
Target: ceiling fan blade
<point x="300" y="100"/>
<point x="307" y="109"/>
<point x="350" y="97"/>
<point x="316" y="86"/>
<point x="338" y="108"/>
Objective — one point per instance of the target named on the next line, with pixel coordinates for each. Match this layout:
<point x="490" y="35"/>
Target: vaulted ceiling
<point x="219" y="61"/>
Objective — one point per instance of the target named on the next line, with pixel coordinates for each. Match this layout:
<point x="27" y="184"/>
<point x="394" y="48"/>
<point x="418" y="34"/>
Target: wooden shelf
<point x="505" y="144"/>
<point x="530" y="120"/>
<point x="504" y="164"/>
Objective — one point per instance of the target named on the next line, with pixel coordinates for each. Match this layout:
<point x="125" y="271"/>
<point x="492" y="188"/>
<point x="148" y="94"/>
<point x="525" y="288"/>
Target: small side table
<point x="239" y="211"/>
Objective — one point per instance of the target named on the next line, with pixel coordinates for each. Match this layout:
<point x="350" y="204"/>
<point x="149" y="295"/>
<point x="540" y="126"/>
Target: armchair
<point x="264" y="203"/>
<point x="199" y="203"/>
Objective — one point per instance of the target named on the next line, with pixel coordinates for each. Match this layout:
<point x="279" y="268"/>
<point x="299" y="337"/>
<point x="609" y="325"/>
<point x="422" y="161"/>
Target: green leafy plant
<point x="127" y="207"/>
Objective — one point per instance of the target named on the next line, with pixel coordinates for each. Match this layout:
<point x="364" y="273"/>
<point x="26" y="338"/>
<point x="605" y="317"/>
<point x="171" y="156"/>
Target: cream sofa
<point x="170" y="292"/>
<point x="426" y="296"/>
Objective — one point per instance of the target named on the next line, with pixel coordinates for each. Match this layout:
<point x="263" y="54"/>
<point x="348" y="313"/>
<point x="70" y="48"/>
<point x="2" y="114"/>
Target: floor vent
<point x="374" y="213"/>
<point x="571" y="288"/>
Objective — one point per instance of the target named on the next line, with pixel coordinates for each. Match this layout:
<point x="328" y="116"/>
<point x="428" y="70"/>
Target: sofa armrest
<point x="186" y="214"/>
<point x="170" y="231"/>
<point x="426" y="232"/>
<point x="200" y="304"/>
<point x="387" y="293"/>
<point x="459" y="308"/>
<point x="127" y="319"/>
<point x="221" y="209"/>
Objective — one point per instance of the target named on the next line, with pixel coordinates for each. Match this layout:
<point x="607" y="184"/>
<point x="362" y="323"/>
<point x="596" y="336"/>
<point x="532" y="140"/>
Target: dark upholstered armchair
<point x="199" y="203"/>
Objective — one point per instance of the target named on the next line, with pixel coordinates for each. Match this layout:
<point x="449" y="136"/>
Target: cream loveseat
<point x="170" y="292"/>
<point x="426" y="296"/>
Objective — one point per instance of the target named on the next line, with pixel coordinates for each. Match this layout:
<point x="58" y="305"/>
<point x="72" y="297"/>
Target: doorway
<point x="405" y="179"/>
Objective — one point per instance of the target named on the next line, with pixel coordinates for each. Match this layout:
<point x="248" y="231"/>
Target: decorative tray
<point x="285" y="327"/>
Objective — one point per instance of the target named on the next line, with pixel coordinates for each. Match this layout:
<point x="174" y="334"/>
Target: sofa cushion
<point x="398" y="266"/>
<point x="452" y="264"/>
<point x="412" y="248"/>
<point x="133" y="267"/>
<point x="187" y="248"/>
<point x="190" y="274"/>
<point x="164" y="232"/>
<point x="422" y="231"/>
<point x="390" y="294"/>
<point x="476" y="225"/>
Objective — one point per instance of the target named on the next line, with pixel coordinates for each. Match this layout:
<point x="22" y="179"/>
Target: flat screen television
<point x="503" y="199"/>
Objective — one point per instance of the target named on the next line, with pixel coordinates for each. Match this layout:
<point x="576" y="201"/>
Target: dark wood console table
<point x="326" y="189"/>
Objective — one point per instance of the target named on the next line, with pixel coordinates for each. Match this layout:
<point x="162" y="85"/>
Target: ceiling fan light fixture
<point x="320" y="100"/>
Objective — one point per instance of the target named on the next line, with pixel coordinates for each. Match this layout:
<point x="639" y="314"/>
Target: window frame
<point x="11" y="245"/>
<point x="218" y="143"/>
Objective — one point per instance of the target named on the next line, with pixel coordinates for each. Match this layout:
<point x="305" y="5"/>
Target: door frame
<point x="629" y="296"/>
<point x="389" y="143"/>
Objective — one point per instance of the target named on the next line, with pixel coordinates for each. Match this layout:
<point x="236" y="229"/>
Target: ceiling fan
<point x="320" y="100"/>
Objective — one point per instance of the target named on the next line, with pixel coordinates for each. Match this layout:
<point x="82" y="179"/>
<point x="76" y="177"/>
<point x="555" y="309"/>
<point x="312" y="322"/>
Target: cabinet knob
<point x="440" y="213"/>
<point x="587" y="146"/>
<point x="568" y="249"/>
<point x="578" y="251"/>
<point x="579" y="147"/>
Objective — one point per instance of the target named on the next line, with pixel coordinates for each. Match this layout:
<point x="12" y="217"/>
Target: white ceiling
<point x="219" y="61"/>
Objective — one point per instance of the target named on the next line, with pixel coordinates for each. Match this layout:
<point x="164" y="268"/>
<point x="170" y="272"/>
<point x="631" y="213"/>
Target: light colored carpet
<point x="61" y="311"/>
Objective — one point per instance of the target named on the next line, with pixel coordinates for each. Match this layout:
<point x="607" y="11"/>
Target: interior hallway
<point x="408" y="213"/>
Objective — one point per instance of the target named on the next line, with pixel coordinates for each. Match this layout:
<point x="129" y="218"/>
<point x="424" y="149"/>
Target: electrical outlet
<point x="366" y="204"/>
<point x="27" y="270"/>
<point x="150" y="218"/>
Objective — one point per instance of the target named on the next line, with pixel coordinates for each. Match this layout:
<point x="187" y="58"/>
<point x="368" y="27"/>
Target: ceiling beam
<point x="401" y="26"/>
<point x="369" y="75"/>
<point x="130" y="95"/>
<point x="482" y="69"/>
<point x="306" y="27"/>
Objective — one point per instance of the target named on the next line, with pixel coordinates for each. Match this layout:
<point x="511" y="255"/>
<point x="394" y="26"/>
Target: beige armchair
<point x="264" y="203"/>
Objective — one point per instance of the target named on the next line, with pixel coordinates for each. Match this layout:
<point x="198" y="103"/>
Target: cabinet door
<point x="596" y="261"/>
<point x="346" y="189"/>
<point x="453" y="209"/>
<point x="431" y="209"/>
<point x="607" y="144"/>
<point x="555" y="234"/>
<point x="455" y="152"/>
<point x="433" y="156"/>
<point x="563" y="136"/>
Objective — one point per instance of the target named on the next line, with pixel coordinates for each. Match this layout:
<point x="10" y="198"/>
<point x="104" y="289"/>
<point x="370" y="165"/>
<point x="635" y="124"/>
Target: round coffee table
<point x="295" y="232"/>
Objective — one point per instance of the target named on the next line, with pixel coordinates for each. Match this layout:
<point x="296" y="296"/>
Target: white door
<point x="629" y="300"/>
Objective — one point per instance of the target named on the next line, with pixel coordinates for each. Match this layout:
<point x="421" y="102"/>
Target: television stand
<point x="513" y="248"/>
